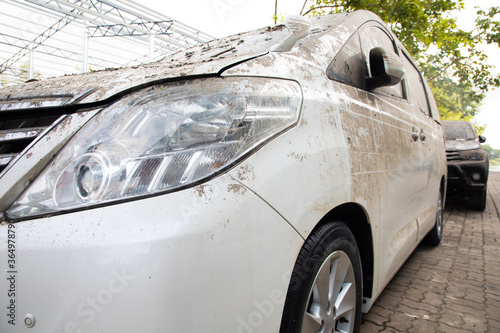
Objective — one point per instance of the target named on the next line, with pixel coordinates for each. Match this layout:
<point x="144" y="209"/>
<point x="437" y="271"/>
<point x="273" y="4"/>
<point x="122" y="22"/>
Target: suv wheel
<point x="325" y="291"/>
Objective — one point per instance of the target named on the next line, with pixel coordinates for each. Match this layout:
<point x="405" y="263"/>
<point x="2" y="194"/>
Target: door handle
<point x="422" y="135"/>
<point x="414" y="134"/>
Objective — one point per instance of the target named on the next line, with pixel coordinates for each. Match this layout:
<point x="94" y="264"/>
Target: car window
<point x="415" y="86"/>
<point x="432" y="103"/>
<point x="348" y="65"/>
<point x="458" y="130"/>
<point x="374" y="36"/>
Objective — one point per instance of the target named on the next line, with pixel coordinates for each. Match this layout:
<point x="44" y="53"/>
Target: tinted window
<point x="415" y="86"/>
<point x="348" y="65"/>
<point x="372" y="37"/>
<point x="454" y="130"/>
<point x="432" y="102"/>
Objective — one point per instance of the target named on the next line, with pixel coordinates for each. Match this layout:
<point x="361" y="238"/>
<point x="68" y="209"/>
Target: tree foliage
<point x="494" y="154"/>
<point x="23" y="73"/>
<point x="450" y="57"/>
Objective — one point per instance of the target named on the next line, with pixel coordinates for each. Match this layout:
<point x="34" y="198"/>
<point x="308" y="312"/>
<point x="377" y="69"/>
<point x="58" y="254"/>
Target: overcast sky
<point x="225" y="17"/>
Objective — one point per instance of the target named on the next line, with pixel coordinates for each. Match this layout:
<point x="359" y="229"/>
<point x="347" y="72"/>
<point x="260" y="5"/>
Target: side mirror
<point x="482" y="139"/>
<point x="386" y="69"/>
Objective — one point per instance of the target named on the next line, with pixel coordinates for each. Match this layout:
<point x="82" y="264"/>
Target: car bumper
<point x="213" y="258"/>
<point x="467" y="177"/>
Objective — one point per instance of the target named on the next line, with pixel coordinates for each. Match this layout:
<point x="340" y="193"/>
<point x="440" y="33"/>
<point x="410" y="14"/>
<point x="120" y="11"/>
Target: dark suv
<point x="467" y="162"/>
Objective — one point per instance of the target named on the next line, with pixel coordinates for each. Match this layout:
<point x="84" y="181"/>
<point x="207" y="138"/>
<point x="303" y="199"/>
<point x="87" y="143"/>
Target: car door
<point x="395" y="126"/>
<point x="429" y="143"/>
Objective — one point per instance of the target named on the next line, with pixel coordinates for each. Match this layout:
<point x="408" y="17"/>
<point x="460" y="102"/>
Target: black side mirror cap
<point x="482" y="139"/>
<point x="386" y="69"/>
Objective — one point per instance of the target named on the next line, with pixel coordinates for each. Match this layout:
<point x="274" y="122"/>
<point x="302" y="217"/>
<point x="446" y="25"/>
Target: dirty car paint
<point x="224" y="248"/>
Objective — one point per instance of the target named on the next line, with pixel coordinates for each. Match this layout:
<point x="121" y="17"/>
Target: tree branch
<point x="275" y="11"/>
<point x="303" y="6"/>
<point x="320" y="7"/>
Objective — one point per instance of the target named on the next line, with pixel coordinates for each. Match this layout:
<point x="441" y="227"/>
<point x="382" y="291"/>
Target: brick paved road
<point x="454" y="287"/>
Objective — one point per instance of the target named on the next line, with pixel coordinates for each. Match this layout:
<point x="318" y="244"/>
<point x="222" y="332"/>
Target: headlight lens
<point x="160" y="139"/>
<point x="476" y="154"/>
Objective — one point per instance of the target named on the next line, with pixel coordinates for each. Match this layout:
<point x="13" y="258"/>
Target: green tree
<point x="494" y="154"/>
<point x="450" y="57"/>
<point x="23" y="73"/>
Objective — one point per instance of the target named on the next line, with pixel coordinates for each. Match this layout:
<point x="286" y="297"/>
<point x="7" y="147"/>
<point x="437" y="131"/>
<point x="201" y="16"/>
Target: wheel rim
<point x="439" y="216"/>
<point x="331" y="306"/>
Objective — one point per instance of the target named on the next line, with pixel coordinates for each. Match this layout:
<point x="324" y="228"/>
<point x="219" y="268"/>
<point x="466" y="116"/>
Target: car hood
<point x="209" y="58"/>
<point x="462" y="145"/>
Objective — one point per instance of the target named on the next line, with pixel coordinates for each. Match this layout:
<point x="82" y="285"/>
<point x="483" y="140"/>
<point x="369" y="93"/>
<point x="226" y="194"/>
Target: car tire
<point x="436" y="234"/>
<point x="325" y="290"/>
<point x="478" y="201"/>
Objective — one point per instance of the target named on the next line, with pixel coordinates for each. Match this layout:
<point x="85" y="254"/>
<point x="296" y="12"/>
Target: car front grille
<point x="452" y="156"/>
<point x="17" y="134"/>
<point x="24" y="115"/>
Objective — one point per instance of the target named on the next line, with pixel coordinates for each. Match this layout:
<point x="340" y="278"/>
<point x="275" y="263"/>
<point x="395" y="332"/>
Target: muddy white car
<point x="272" y="181"/>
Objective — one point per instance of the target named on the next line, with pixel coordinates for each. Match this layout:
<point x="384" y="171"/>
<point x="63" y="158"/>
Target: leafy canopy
<point x="451" y="58"/>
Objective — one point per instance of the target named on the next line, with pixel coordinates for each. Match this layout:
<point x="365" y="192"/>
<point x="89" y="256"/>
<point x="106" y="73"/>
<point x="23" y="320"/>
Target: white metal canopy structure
<point x="45" y="38"/>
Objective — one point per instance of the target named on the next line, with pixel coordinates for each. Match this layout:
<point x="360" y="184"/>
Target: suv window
<point x="371" y="37"/>
<point x="454" y="130"/>
<point x="415" y="86"/>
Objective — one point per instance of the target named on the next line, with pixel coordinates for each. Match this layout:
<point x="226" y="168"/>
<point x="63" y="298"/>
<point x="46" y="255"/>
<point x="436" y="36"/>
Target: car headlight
<point x="160" y="139"/>
<point x="476" y="154"/>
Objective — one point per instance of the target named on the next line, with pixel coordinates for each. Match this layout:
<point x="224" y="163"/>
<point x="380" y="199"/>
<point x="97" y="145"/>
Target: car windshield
<point x="458" y="130"/>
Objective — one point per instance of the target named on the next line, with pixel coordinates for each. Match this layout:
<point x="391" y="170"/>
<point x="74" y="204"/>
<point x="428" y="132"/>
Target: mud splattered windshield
<point x="458" y="130"/>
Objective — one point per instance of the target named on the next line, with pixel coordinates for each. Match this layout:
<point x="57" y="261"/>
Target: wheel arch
<point x="356" y="219"/>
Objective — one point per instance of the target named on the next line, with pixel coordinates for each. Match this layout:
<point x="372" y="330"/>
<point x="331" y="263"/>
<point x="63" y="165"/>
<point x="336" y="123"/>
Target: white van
<point x="272" y="181"/>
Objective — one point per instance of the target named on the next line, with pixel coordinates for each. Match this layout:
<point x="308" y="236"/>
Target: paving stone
<point x="369" y="327"/>
<point x="375" y="319"/>
<point x="387" y="301"/>
<point x="465" y="309"/>
<point x="474" y="324"/>
<point x="418" y="313"/>
<point x="475" y="297"/>
<point x="381" y="311"/>
<point x="452" y="288"/>
<point x="494" y="325"/>
<point x="466" y="303"/>
<point x="425" y="307"/>
<point x="447" y="329"/>
<point x="419" y="326"/>
<point x="452" y="319"/>
<point x="493" y="312"/>
<point x="400" y="321"/>
<point x="414" y="294"/>
<point x="433" y="298"/>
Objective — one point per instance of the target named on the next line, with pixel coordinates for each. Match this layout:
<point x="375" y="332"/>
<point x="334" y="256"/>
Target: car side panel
<point x="400" y="166"/>
<point x="433" y="167"/>
<point x="332" y="157"/>
<point x="430" y="143"/>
